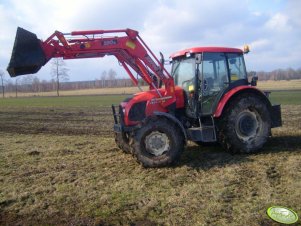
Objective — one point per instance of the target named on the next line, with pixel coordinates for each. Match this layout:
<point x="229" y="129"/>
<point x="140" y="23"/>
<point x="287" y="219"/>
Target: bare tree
<point x="103" y="78"/>
<point x="2" y="82"/>
<point x="103" y="75"/>
<point x="36" y="84"/>
<point x="53" y="84"/>
<point x="97" y="83"/>
<point x="59" y="72"/>
<point x="27" y="83"/>
<point x="45" y="85"/>
<point x="16" y="86"/>
<point x="112" y="76"/>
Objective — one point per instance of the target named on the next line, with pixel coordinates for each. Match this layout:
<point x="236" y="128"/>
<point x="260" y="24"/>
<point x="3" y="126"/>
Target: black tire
<point x="158" y="143"/>
<point x="245" y="125"/>
<point x="123" y="142"/>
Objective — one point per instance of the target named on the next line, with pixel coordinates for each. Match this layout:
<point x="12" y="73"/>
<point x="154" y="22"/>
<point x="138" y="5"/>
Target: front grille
<point x="137" y="112"/>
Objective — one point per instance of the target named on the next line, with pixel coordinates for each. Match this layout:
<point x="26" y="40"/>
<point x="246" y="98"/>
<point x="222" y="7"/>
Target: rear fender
<point x="238" y="91"/>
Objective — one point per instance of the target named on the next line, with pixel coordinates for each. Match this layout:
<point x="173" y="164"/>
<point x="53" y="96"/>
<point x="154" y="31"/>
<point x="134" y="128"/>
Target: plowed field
<point x="59" y="165"/>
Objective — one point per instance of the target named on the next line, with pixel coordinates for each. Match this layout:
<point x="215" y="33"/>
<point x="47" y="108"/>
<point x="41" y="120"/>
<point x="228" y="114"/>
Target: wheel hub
<point x="157" y="143"/>
<point x="246" y="124"/>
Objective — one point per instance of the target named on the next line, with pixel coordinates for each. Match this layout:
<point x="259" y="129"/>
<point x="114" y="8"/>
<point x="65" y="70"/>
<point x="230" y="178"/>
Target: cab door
<point x="213" y="80"/>
<point x="184" y="73"/>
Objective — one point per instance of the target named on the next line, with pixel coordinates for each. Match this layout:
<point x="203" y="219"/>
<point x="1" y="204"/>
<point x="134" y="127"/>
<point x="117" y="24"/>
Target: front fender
<point x="175" y="120"/>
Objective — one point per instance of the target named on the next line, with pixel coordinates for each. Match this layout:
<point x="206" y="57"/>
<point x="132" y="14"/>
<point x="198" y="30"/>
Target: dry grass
<point x="280" y="85"/>
<point x="58" y="168"/>
<point x="80" y="92"/>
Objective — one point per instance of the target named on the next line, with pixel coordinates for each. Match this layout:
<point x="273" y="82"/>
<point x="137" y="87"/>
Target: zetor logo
<point x="109" y="42"/>
<point x="282" y="215"/>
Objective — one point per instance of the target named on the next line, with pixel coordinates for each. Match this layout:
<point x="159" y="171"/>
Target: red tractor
<point x="206" y="98"/>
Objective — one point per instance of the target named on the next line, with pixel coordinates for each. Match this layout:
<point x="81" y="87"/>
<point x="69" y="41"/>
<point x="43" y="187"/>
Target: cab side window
<point x="236" y="67"/>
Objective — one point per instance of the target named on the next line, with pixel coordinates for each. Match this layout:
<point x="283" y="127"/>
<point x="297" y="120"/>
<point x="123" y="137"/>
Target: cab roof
<point x="205" y="49"/>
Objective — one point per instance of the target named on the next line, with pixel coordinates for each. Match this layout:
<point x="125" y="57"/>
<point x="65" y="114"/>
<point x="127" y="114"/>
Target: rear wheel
<point x="123" y="142"/>
<point x="158" y="143"/>
<point x="245" y="125"/>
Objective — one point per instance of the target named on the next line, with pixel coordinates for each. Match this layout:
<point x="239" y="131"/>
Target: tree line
<point x="30" y="83"/>
<point x="59" y="81"/>
<point x="279" y="74"/>
<point x="107" y="79"/>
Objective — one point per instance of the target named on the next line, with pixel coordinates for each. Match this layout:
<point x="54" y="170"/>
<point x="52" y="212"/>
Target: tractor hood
<point x="27" y="55"/>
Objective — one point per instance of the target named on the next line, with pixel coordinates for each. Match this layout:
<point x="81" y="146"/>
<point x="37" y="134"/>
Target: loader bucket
<point x="27" y="55"/>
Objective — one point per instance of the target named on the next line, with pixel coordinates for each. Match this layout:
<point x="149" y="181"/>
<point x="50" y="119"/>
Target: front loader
<point x="206" y="98"/>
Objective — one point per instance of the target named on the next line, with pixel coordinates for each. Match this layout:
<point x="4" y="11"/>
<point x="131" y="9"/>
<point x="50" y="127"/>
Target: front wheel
<point x="123" y="141"/>
<point x="245" y="125"/>
<point x="158" y="143"/>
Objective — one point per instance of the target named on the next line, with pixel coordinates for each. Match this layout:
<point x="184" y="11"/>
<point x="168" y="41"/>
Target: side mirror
<point x="198" y="61"/>
<point x="254" y="81"/>
<point x="198" y="58"/>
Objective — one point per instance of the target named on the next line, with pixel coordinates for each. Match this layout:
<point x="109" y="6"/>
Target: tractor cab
<point x="205" y="74"/>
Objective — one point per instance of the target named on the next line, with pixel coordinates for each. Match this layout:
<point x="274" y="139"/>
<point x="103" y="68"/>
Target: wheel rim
<point x="247" y="125"/>
<point x="157" y="143"/>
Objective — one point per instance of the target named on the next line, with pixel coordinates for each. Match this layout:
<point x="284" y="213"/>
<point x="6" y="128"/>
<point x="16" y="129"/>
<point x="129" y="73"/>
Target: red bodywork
<point x="205" y="49"/>
<point x="154" y="103"/>
<point x="130" y="50"/>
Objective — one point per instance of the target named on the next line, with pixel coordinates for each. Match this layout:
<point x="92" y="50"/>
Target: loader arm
<point x="30" y="54"/>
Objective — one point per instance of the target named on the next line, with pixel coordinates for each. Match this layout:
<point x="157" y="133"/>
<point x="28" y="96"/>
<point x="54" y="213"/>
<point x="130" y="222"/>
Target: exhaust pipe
<point x="27" y="55"/>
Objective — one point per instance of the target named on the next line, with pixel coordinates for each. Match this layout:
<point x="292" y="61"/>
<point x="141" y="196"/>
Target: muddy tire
<point x="158" y="143"/>
<point x="245" y="125"/>
<point x="123" y="142"/>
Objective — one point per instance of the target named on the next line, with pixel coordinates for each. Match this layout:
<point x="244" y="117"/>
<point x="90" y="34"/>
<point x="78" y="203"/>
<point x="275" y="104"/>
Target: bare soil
<point x="57" y="121"/>
<point x="60" y="166"/>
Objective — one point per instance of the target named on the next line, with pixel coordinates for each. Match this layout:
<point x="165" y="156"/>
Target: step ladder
<point x="203" y="133"/>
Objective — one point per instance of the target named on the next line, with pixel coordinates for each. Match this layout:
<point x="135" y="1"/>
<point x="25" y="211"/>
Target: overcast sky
<point x="272" y="28"/>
